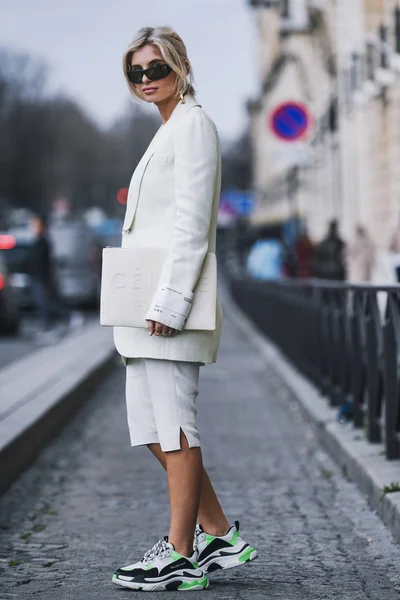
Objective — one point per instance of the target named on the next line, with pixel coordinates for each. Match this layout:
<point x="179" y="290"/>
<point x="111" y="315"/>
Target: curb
<point x="46" y="414"/>
<point x="360" y="461"/>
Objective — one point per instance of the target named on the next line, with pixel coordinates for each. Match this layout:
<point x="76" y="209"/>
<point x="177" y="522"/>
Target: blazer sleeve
<point x="195" y="168"/>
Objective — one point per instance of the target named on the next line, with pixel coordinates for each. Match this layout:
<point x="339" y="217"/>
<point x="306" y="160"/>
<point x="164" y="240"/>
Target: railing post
<point x="319" y="354"/>
<point x="391" y="332"/>
<point x="336" y="348"/>
<point x="374" y="369"/>
<point x="357" y="359"/>
<point x="342" y="348"/>
<point x="324" y="342"/>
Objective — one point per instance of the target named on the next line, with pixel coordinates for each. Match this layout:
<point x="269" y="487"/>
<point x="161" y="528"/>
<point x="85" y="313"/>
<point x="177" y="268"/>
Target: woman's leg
<point x="173" y="389"/>
<point x="184" y="481"/>
<point x="41" y="300"/>
<point x="210" y="513"/>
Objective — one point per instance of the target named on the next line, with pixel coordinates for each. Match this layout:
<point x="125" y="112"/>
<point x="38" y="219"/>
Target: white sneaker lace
<point x="197" y="534"/>
<point x="159" y="550"/>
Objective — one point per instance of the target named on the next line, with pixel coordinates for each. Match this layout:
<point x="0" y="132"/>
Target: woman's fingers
<point x="150" y="326"/>
<point x="160" y="329"/>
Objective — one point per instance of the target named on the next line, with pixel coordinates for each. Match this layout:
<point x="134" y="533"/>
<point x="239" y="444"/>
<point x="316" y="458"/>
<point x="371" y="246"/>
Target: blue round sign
<point x="290" y="121"/>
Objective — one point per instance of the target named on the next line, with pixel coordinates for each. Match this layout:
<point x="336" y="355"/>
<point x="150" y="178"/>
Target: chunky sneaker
<point x="162" y="569"/>
<point x="222" y="552"/>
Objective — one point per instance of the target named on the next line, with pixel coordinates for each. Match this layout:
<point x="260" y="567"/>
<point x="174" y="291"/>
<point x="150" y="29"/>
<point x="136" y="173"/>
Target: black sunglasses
<point x="153" y="73"/>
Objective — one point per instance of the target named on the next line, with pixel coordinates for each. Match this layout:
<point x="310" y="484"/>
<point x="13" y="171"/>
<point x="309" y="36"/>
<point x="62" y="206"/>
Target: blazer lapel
<point x="137" y="177"/>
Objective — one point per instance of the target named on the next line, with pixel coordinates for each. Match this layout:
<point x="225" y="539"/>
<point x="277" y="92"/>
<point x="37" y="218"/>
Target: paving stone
<point x="91" y="503"/>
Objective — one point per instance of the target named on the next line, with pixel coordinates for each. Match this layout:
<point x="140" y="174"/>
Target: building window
<point x="285" y="10"/>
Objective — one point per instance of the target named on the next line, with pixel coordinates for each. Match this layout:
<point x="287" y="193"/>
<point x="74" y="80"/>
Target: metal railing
<point x="346" y="338"/>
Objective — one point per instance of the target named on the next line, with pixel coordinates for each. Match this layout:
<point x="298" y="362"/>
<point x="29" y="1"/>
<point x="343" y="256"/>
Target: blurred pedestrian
<point x="178" y="207"/>
<point x="265" y="260"/>
<point x="44" y="290"/>
<point x="304" y="252"/>
<point x="289" y="260"/>
<point x="360" y="255"/>
<point x="328" y="260"/>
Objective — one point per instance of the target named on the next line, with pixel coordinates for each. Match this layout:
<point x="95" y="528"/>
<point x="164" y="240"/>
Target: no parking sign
<point x="290" y="121"/>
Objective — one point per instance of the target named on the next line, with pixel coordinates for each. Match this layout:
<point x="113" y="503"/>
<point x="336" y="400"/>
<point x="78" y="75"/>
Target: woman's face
<point x="152" y="91"/>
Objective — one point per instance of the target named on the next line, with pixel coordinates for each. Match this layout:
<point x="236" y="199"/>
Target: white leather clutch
<point x="129" y="280"/>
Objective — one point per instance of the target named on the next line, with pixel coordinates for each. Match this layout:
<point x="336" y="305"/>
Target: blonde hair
<point x="173" y="51"/>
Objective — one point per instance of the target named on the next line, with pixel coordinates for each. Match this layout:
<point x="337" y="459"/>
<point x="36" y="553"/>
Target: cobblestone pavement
<point x="91" y="503"/>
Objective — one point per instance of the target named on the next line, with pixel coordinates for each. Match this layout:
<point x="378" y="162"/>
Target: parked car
<point x="76" y="252"/>
<point x="15" y="245"/>
<point x="9" y="301"/>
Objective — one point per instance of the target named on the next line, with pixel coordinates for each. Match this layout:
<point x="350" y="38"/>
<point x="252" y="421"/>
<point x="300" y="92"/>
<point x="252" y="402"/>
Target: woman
<point x="173" y="203"/>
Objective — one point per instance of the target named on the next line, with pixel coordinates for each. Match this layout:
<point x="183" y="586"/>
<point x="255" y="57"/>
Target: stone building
<point x="341" y="60"/>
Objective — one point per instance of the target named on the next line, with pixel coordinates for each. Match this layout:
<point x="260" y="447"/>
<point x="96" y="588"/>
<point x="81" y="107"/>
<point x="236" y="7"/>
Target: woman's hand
<point x="160" y="329"/>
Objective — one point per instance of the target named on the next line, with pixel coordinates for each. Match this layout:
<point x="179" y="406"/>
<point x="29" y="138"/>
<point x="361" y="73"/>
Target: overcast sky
<point x="82" y="41"/>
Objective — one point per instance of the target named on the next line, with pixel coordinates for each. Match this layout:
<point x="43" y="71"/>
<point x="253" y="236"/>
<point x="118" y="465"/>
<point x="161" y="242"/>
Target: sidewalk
<point x="41" y="390"/>
<point x="91" y="503"/>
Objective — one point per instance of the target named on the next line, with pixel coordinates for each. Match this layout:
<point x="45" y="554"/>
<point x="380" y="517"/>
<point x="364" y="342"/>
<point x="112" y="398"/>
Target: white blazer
<point x="173" y="204"/>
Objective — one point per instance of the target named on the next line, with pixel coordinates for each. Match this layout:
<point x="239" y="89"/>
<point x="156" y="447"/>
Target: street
<point x="91" y="503"/>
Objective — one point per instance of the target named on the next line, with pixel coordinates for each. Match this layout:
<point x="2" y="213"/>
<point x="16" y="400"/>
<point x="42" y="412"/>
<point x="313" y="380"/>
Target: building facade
<point x="341" y="60"/>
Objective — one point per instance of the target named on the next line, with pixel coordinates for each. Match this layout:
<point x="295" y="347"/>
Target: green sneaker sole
<point x="229" y="562"/>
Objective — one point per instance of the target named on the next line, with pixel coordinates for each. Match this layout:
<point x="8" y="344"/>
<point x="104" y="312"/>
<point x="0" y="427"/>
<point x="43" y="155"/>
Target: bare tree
<point x="49" y="146"/>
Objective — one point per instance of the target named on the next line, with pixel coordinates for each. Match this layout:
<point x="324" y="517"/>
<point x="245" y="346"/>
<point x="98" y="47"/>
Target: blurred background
<point x="305" y="97"/>
<point x="324" y="135"/>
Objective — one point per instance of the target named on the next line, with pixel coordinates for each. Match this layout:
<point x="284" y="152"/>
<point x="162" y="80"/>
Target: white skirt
<point x="161" y="402"/>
